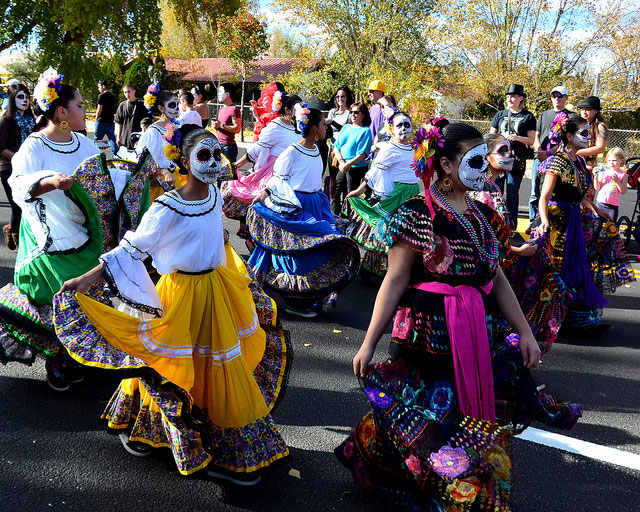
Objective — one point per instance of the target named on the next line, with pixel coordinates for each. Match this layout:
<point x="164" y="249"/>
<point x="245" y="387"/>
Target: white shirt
<point x="297" y="169"/>
<point x="179" y="235"/>
<point x="190" y="117"/>
<point x="56" y="221"/>
<point x="274" y="139"/>
<point x="153" y="141"/>
<point x="392" y="164"/>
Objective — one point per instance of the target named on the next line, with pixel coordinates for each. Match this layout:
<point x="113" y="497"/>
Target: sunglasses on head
<point x="557" y="95"/>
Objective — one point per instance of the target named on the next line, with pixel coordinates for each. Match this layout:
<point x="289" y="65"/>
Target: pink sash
<point x="466" y="325"/>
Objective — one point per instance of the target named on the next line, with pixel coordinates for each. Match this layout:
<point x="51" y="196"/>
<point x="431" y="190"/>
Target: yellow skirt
<point x="208" y="342"/>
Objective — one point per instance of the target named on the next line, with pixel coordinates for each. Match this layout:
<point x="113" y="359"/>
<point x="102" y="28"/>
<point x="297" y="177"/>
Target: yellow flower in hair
<point x="149" y="100"/>
<point x="171" y="152"/>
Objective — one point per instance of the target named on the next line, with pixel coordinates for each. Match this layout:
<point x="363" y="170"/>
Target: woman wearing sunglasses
<point x="351" y="150"/>
<point x="585" y="248"/>
<point x="15" y="125"/>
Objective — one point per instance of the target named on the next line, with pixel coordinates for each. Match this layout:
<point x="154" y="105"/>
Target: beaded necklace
<point x="485" y="228"/>
<point x="582" y="175"/>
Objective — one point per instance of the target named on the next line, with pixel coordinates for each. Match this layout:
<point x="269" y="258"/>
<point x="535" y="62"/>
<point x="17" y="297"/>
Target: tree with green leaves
<point x="365" y="40"/>
<point x="241" y="38"/>
<point x="74" y="36"/>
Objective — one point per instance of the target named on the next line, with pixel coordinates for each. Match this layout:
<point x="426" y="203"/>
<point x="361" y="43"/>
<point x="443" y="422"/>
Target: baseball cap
<point x="560" y="89"/>
<point x="377" y="85"/>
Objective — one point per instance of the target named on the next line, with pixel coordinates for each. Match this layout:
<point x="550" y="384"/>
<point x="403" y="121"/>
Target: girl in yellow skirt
<point x="210" y="358"/>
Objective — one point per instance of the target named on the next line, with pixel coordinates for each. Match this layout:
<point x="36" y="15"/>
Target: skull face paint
<point x="582" y="137"/>
<point x="222" y="94"/>
<point x="22" y="100"/>
<point x="387" y="111"/>
<point x="503" y="156"/>
<point x="473" y="167"/>
<point x="402" y="127"/>
<point x="206" y="160"/>
<point x="171" y="110"/>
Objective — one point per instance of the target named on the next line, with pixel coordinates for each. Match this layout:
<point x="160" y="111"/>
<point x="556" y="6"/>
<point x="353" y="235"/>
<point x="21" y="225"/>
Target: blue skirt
<point x="303" y="255"/>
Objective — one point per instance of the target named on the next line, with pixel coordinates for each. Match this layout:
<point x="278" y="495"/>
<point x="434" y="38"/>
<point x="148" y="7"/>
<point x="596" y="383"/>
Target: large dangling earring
<point x="446" y="187"/>
<point x="64" y="126"/>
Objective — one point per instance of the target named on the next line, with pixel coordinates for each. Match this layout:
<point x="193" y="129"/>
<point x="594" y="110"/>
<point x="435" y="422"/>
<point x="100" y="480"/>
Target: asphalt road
<point x="56" y="456"/>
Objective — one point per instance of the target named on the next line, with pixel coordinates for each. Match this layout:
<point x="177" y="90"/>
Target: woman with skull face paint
<point x="540" y="290"/>
<point x="392" y="181"/>
<point x="585" y="248"/>
<point x="388" y="108"/>
<point x="59" y="230"/>
<point x="15" y="125"/>
<point x="275" y="137"/>
<point x="166" y="104"/>
<point x="209" y="373"/>
<point x="437" y="436"/>
<point x="299" y="250"/>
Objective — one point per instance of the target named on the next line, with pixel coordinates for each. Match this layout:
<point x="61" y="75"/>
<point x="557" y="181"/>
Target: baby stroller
<point x="629" y="226"/>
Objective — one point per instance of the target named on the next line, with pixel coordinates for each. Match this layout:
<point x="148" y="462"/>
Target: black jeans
<point x="16" y="211"/>
<point x="230" y="151"/>
<point x="345" y="183"/>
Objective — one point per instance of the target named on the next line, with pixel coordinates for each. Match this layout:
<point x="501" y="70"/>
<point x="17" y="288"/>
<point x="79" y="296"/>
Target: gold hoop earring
<point x="64" y="126"/>
<point x="446" y="187"/>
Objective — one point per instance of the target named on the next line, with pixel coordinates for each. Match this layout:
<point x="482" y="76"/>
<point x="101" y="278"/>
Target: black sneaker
<point x="235" y="478"/>
<point x="74" y="373"/>
<point x="329" y="303"/>
<point x="56" y="377"/>
<point x="302" y="312"/>
<point x="135" y="448"/>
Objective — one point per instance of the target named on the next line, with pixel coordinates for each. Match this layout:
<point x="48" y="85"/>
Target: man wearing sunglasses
<point x="541" y="145"/>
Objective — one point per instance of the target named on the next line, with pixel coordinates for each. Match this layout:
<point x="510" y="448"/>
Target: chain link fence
<point x="628" y="140"/>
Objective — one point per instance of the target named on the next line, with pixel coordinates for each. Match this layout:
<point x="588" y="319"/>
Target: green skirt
<point x="39" y="274"/>
<point x="366" y="216"/>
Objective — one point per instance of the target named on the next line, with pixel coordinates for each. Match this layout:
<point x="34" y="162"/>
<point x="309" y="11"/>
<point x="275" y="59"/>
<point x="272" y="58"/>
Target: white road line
<point x="584" y="448"/>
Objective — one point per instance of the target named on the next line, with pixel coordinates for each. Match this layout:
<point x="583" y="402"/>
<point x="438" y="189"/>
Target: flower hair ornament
<point x="47" y="88"/>
<point x="173" y="137"/>
<point x="276" y="103"/>
<point x="394" y="111"/>
<point x="301" y="113"/>
<point x="151" y="96"/>
<point x="558" y="127"/>
<point x="425" y="142"/>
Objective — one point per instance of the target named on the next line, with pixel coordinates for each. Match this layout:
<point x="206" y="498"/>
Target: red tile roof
<point x="205" y="70"/>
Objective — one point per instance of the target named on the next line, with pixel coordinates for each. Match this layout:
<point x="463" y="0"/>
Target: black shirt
<point x="129" y="115"/>
<point x="108" y="102"/>
<point x="508" y="123"/>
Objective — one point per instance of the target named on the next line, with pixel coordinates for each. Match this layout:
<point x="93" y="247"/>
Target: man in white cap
<point x="541" y="145"/>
